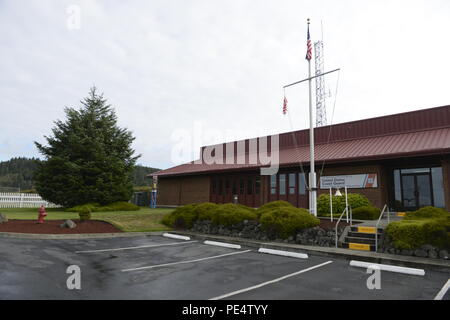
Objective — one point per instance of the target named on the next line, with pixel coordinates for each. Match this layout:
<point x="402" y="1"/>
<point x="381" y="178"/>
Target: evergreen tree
<point x="88" y="158"/>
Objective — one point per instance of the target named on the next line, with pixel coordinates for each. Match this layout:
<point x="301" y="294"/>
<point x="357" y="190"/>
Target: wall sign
<point x="368" y="180"/>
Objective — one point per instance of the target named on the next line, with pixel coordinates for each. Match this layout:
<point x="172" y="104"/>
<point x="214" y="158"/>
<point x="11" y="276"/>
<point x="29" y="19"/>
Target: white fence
<point x="23" y="200"/>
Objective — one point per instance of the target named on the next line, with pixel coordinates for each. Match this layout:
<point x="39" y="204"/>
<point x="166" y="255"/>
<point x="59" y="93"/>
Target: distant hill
<point x="18" y="173"/>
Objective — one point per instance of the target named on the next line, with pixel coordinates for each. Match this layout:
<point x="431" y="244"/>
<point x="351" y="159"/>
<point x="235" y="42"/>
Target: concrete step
<point x="366" y="229"/>
<point x="360" y="240"/>
<point x="363" y="235"/>
<point x="358" y="246"/>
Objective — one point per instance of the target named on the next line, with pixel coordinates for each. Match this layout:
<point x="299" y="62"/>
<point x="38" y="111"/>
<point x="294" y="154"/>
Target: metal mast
<point x="321" y="111"/>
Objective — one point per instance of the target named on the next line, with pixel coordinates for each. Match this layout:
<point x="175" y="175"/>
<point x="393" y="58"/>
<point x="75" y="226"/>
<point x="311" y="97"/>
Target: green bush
<point x="272" y="205"/>
<point x="85" y="214"/>
<point x="427" y="213"/>
<point x="205" y="210"/>
<point x="96" y="207"/>
<point x="355" y="200"/>
<point x="366" y="213"/>
<point x="181" y="217"/>
<point x="287" y="221"/>
<point x="411" y="234"/>
<point x="229" y="214"/>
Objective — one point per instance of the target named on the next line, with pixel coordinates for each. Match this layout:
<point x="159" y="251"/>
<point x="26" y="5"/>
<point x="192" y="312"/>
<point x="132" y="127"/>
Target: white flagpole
<point x="312" y="174"/>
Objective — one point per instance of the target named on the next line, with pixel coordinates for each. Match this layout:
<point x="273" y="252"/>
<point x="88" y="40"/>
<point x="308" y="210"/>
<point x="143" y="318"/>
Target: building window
<point x="302" y="184"/>
<point x="234" y="186"/>
<point x="273" y="184"/>
<point x="227" y="186"/>
<point x="282" y="181"/>
<point x="438" y="187"/>
<point x="257" y="185"/>
<point x="292" y="178"/>
<point x="241" y="186"/>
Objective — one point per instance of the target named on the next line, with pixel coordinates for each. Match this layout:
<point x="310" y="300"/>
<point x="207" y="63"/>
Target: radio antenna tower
<point x="321" y="111"/>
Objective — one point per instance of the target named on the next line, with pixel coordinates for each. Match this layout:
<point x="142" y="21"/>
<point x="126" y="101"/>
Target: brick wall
<point x="446" y="178"/>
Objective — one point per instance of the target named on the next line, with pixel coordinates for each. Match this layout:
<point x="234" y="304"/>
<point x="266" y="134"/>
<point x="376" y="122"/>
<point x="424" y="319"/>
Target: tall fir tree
<point x="88" y="158"/>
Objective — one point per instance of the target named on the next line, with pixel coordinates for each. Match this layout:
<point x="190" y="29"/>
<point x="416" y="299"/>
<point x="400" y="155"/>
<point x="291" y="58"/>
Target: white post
<point x="346" y="203"/>
<point x="331" y="203"/>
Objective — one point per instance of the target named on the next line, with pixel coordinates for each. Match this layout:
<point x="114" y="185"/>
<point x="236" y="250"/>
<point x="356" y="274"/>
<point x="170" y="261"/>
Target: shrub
<point x="85" y="214"/>
<point x="272" y="205"/>
<point x="229" y="214"/>
<point x="427" y="213"/>
<point x="181" y="217"/>
<point x="355" y="200"/>
<point x="287" y="221"/>
<point x="411" y="234"/>
<point x="205" y="210"/>
<point x="366" y="213"/>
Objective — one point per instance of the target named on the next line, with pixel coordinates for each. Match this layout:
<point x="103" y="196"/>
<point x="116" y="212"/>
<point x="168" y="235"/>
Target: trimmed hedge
<point x="85" y="214"/>
<point x="287" y="221"/>
<point x="355" y="200"/>
<point x="428" y="225"/>
<point x="272" y="205"/>
<point x="366" y="213"/>
<point x="220" y="214"/>
<point x="229" y="214"/>
<point x="96" y="207"/>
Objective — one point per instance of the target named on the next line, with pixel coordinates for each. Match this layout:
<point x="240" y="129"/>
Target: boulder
<point x="68" y="224"/>
<point x="443" y="254"/>
<point x="420" y="253"/>
<point x="406" y="252"/>
<point x="3" y="218"/>
<point x="432" y="254"/>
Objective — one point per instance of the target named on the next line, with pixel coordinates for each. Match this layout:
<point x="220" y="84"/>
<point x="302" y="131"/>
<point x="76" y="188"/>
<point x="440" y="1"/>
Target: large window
<point x="292" y="178"/>
<point x="302" y="184"/>
<point x="282" y="181"/>
<point x="257" y="185"/>
<point x="249" y="186"/>
<point x="418" y="187"/>
<point x="273" y="184"/>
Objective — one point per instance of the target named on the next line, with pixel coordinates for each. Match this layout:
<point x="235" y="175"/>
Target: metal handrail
<point x="376" y="226"/>
<point x="337" y="223"/>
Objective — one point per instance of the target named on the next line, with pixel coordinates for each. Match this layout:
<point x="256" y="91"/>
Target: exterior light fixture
<point x="338" y="193"/>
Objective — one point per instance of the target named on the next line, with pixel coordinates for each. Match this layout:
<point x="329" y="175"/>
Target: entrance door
<point x="416" y="191"/>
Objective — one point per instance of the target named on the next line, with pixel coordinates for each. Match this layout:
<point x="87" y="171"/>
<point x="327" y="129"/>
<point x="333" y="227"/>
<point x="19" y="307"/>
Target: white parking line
<point x="386" y="267"/>
<point x="182" y="262"/>
<point x="443" y="291"/>
<point x="138" y="247"/>
<point x="270" y="282"/>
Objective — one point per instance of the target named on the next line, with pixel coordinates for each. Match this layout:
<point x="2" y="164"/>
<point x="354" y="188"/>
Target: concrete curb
<point x="78" y="235"/>
<point x="366" y="256"/>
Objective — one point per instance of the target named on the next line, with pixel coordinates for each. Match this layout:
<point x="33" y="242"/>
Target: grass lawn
<point x="143" y="220"/>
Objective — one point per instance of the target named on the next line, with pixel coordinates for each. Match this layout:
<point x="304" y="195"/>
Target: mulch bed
<point x="53" y="227"/>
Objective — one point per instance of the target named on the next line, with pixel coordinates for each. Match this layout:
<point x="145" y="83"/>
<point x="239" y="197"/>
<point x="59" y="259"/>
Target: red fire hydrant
<point x="42" y="214"/>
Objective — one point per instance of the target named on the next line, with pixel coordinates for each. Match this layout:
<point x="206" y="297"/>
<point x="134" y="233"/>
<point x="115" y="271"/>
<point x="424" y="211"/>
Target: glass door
<point x="416" y="190"/>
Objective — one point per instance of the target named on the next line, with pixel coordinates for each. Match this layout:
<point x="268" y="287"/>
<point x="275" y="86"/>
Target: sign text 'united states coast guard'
<point x="368" y="180"/>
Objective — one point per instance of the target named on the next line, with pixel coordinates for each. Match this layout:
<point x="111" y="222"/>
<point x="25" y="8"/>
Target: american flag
<point x="285" y="102"/>
<point x="309" y="46"/>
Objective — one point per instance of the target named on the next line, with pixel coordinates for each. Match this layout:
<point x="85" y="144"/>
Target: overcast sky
<point x="172" y="67"/>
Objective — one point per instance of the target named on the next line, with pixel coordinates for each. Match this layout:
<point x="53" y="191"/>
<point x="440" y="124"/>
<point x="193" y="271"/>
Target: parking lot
<point x="155" y="267"/>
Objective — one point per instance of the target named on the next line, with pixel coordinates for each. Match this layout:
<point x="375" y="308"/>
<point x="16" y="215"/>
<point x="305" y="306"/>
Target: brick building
<point x="402" y="160"/>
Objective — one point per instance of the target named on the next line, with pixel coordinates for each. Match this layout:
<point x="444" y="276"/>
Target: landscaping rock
<point x="420" y="253"/>
<point x="406" y="252"/>
<point x="68" y="224"/>
<point x="3" y="218"/>
<point x="443" y="254"/>
<point x="427" y="247"/>
<point x="432" y="254"/>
